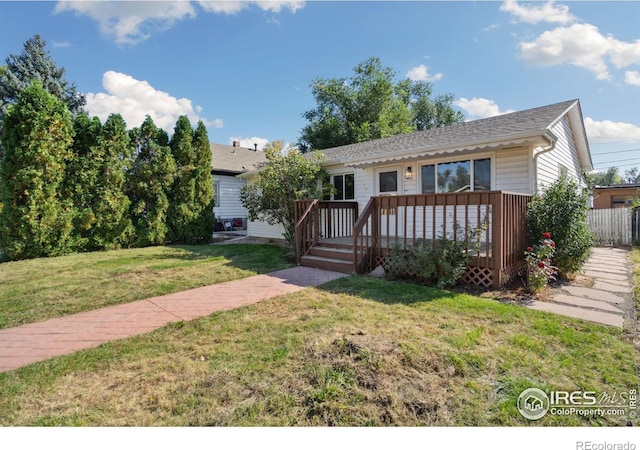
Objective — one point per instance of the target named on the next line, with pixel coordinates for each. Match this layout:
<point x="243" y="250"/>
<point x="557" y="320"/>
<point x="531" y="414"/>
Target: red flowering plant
<point x="540" y="270"/>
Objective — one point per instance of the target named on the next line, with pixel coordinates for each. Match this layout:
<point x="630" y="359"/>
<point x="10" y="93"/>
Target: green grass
<point x="40" y="289"/>
<point x="358" y="351"/>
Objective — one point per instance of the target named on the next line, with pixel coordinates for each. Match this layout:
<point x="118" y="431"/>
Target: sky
<point x="245" y="68"/>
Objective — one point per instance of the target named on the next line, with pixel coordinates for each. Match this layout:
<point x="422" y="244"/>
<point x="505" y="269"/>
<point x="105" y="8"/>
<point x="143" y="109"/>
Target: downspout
<point x="547" y="149"/>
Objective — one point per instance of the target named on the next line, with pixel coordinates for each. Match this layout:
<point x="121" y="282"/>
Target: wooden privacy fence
<point x="611" y="226"/>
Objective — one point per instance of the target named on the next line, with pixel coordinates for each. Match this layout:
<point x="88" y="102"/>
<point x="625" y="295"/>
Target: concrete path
<point x="34" y="342"/>
<point x="603" y="293"/>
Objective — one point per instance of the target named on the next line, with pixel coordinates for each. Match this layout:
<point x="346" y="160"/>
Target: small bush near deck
<point x="562" y="211"/>
<point x="439" y="263"/>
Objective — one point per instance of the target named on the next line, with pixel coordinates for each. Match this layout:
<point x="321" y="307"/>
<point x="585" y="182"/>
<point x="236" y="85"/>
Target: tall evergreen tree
<point x="205" y="220"/>
<point x="81" y="177"/>
<point x="182" y="210"/>
<point x="95" y="183"/>
<point x="35" y="219"/>
<point x="149" y="181"/>
<point x="35" y="63"/>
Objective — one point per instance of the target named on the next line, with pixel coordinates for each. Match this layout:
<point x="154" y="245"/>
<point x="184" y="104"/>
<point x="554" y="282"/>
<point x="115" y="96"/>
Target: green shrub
<point x="439" y="263"/>
<point x="562" y="210"/>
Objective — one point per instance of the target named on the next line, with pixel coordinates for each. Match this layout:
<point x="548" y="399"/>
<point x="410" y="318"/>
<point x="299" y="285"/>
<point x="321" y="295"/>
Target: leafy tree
<point x="35" y="63"/>
<point x="284" y="179"/>
<point x="95" y="182"/>
<point x="632" y="176"/>
<point x="562" y="210"/>
<point x="370" y="105"/>
<point x="148" y="183"/>
<point x="35" y="220"/>
<point x="607" y="178"/>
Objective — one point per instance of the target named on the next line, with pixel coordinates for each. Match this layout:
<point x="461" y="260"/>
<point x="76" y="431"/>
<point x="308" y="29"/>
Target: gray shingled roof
<point x="235" y="160"/>
<point x="466" y="135"/>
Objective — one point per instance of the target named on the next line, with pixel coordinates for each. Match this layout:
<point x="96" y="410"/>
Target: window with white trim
<point x="456" y="176"/>
<point x="343" y="187"/>
<point x="216" y="193"/>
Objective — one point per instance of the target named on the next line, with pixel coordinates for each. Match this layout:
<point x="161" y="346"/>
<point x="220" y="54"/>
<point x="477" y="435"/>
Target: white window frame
<point x="216" y="194"/>
<point x="344" y="184"/>
<point x="471" y="158"/>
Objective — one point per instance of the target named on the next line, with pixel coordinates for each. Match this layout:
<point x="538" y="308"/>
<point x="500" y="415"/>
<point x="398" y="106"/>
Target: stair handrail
<point x="364" y="244"/>
<point x="302" y="233"/>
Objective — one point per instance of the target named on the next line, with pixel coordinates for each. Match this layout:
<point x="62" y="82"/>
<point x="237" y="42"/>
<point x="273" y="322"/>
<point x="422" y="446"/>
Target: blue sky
<point x="244" y="68"/>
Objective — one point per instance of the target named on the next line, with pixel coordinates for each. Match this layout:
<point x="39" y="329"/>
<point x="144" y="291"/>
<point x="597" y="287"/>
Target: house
<point x="466" y="181"/>
<point x="228" y="161"/>
<point x="615" y="196"/>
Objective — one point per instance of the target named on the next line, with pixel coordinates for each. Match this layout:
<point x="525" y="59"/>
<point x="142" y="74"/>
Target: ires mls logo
<point x="533" y="403"/>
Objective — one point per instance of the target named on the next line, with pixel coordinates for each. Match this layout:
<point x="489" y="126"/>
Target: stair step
<point x="345" y="254"/>
<point x="321" y="262"/>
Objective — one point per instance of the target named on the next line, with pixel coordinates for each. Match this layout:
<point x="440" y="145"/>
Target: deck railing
<point x="316" y="219"/>
<point x="489" y="224"/>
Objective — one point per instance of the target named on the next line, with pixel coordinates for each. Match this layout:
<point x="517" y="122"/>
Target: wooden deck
<point x="491" y="224"/>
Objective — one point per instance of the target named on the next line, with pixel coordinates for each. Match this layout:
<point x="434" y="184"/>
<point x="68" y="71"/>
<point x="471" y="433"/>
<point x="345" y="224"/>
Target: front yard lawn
<point x="357" y="351"/>
<point x="39" y="289"/>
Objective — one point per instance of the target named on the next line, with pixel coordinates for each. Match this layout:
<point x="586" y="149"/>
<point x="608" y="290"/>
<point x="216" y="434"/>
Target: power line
<point x="617" y="151"/>
<point x="623" y="160"/>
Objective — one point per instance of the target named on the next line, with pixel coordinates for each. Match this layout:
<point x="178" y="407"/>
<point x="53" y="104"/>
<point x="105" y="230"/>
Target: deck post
<point x="496" y="236"/>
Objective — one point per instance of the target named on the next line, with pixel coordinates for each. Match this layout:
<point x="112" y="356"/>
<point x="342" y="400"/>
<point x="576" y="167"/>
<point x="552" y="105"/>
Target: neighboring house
<point x="615" y="196"/>
<point x="435" y="182"/>
<point x="228" y="161"/>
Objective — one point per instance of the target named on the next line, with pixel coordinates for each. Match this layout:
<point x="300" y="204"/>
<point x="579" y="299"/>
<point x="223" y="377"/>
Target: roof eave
<point x="537" y="138"/>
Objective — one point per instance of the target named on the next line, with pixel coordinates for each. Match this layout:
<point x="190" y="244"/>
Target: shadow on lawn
<point x="257" y="257"/>
<point x="389" y="292"/>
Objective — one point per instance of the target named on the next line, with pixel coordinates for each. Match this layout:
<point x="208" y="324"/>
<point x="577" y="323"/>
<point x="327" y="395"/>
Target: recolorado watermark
<point x="588" y="445"/>
<point x="534" y="403"/>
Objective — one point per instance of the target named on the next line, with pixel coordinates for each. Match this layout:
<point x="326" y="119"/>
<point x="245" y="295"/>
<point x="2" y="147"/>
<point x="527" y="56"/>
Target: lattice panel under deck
<point x="478" y="276"/>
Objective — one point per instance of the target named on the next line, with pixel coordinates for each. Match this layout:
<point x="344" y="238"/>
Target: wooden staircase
<point x="330" y="256"/>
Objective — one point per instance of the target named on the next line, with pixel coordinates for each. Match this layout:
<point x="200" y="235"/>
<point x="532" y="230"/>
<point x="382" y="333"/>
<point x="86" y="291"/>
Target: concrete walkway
<point x="602" y="294"/>
<point x="24" y="345"/>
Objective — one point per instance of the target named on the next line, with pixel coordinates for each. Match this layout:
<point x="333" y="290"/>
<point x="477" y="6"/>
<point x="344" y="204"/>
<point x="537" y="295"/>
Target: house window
<point x="562" y="170"/>
<point x="343" y="187"/>
<point x="457" y="176"/>
<point x="388" y="181"/>
<point x="216" y="193"/>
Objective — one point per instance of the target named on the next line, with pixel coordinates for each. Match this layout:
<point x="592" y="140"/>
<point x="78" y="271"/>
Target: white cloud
<point x="234" y="7"/>
<point x="546" y="12"/>
<point x="135" y="99"/>
<point x="132" y="22"/>
<point x="421" y="73"/>
<point x="491" y="27"/>
<point x="249" y="142"/>
<point x="607" y="131"/>
<point x="632" y="77"/>
<point x="581" y="45"/>
<point x="479" y="108"/>
<point x="61" y="44"/>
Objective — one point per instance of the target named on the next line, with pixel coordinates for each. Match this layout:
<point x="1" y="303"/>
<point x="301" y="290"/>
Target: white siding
<point x="564" y="154"/>
<point x="512" y="171"/>
<point x="230" y="204"/>
<point x="264" y="230"/>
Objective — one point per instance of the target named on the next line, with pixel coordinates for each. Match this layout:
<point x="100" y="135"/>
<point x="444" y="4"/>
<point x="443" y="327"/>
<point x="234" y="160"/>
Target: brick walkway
<point x="24" y="345"/>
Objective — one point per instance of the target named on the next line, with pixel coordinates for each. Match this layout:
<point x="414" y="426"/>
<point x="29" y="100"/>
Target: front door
<point x="389" y="183"/>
